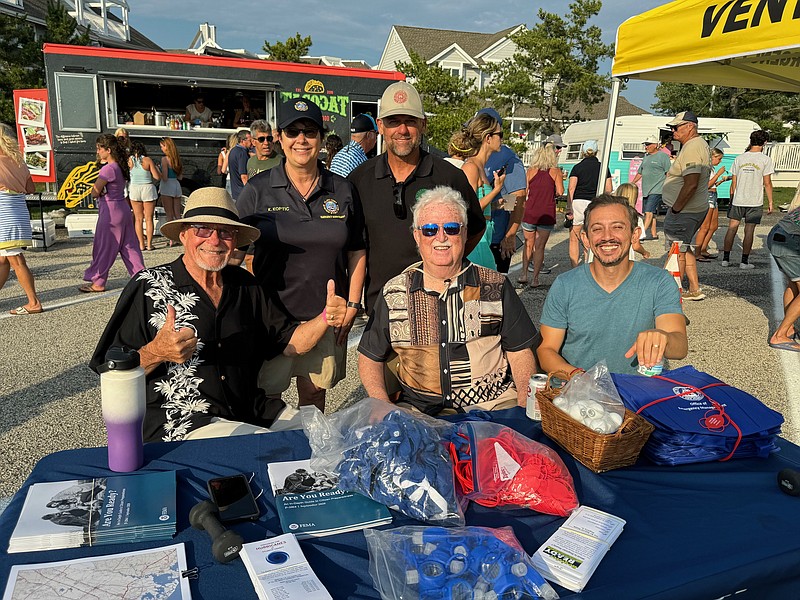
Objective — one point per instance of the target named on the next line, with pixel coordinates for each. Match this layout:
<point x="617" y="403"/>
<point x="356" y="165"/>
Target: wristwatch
<point x="355" y="305"/>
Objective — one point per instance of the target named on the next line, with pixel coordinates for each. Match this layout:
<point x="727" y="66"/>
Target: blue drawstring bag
<point x="699" y="418"/>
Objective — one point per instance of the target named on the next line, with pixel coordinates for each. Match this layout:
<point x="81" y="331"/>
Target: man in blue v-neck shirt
<point x="625" y="312"/>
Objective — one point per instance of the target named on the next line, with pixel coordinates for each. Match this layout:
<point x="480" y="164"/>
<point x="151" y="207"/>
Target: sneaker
<point x="726" y="263"/>
<point x="746" y="266"/>
<point x="697" y="295"/>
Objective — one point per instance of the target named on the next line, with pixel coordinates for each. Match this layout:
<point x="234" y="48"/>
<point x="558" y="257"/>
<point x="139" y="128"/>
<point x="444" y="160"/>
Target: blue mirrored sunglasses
<point x="431" y="229"/>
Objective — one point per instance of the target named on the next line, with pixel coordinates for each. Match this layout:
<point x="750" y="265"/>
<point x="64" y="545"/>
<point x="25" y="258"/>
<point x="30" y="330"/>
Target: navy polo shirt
<point x="390" y="245"/>
<point x="303" y="243"/>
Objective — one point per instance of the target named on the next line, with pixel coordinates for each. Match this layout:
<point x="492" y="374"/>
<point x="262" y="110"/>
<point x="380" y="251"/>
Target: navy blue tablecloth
<point x="697" y="531"/>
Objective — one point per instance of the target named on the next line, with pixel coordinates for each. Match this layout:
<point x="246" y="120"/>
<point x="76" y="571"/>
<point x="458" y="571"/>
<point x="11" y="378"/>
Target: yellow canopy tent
<point x="735" y="43"/>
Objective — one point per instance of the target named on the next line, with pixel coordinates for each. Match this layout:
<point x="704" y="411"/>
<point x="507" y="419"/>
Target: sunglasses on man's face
<point x="264" y="138"/>
<point x="223" y="233"/>
<point x="311" y="133"/>
<point x="432" y="229"/>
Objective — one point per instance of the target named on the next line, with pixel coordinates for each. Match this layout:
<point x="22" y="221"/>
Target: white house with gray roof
<point x="465" y="54"/>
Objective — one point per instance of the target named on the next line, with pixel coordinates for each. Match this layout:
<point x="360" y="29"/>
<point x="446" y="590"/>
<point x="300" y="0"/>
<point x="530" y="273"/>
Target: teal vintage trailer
<point x="729" y="135"/>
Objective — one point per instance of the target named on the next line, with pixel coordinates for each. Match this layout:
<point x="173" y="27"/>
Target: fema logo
<point x="400" y="97"/>
<point x="331" y="206"/>
<point x="300" y="106"/>
<point x="687" y="393"/>
<point x="293" y="526"/>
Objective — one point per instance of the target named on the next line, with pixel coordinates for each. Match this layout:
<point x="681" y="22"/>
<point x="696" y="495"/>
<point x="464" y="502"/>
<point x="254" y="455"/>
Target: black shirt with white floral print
<point x="233" y="340"/>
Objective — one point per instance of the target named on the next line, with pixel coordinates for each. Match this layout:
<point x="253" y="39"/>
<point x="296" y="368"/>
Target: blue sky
<point x="348" y="29"/>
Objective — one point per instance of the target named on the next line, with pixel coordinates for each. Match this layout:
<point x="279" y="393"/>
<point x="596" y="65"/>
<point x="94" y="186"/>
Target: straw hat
<point x="215" y="206"/>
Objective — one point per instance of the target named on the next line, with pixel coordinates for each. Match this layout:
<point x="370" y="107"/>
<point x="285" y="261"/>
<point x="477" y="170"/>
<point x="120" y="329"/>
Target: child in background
<point x="631" y="193"/>
<point x="711" y="222"/>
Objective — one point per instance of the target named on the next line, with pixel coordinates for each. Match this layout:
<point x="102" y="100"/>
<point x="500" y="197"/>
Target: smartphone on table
<point x="234" y="498"/>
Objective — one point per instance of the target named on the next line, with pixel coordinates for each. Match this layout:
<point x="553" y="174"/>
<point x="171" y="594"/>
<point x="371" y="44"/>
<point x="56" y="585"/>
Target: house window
<point x="455" y="73"/>
<point x="12" y="2"/>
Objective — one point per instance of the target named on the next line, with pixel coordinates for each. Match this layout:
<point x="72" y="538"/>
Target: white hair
<point x="441" y="195"/>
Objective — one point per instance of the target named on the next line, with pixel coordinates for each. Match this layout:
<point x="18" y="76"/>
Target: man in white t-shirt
<point x="752" y="174"/>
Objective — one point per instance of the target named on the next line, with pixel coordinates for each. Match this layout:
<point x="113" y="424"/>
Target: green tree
<point x="289" y="51"/>
<point x="21" y="64"/>
<point x="777" y="112"/>
<point x="448" y="100"/>
<point x="21" y="59"/>
<point x="556" y="67"/>
<point x="62" y="28"/>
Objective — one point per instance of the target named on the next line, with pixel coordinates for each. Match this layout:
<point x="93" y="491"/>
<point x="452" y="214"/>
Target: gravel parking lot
<point x="50" y="400"/>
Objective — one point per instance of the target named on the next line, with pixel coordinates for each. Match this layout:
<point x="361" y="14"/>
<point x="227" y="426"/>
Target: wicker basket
<point x="598" y="452"/>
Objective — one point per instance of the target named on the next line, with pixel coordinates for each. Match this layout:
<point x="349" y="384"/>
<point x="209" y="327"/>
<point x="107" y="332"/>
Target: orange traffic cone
<point x="672" y="265"/>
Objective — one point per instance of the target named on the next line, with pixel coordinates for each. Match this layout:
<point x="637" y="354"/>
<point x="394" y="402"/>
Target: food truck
<point x="93" y="90"/>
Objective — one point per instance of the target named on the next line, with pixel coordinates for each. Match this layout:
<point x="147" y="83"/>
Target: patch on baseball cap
<point x="401" y="98"/>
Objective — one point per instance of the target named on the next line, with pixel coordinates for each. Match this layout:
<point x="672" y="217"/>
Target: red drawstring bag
<point x="496" y="466"/>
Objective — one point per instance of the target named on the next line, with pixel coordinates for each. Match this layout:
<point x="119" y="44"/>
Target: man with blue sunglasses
<point x="461" y="335"/>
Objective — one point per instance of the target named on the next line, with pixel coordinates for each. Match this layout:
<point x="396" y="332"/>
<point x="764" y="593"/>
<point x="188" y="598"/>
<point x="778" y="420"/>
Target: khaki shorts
<point x="325" y="365"/>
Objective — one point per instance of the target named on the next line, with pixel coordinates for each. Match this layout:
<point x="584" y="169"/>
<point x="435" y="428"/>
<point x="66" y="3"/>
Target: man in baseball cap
<point x="685" y="192"/>
<point x="363" y="137"/>
<point x="686" y="116"/>
<point x="390" y="184"/>
<point x="652" y="171"/>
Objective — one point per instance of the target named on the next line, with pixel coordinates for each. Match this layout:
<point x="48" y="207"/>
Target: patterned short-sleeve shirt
<point x="451" y="347"/>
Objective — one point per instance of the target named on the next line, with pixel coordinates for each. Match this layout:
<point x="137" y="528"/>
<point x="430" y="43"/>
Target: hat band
<point x="211" y="211"/>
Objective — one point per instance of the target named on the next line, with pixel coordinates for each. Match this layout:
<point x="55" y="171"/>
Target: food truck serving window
<point x="160" y="101"/>
<point x="76" y="96"/>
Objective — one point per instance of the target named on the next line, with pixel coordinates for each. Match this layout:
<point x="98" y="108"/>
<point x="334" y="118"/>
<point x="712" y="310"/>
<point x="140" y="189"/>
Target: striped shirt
<point x="347" y="159"/>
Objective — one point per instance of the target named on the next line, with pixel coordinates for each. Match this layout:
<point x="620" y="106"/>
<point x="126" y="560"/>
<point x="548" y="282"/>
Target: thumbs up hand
<point x="171" y="344"/>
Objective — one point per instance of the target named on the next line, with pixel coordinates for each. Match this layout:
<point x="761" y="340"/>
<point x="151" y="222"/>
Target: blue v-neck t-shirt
<point x="602" y="325"/>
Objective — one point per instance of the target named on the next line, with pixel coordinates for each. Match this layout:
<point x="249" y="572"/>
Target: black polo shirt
<point x="233" y="340"/>
<point x="303" y="243"/>
<point x="390" y="244"/>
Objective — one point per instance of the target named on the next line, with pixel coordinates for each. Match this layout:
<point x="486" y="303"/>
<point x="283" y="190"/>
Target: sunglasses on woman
<point x="223" y="233"/>
<point x="432" y="229"/>
<point x="311" y="133"/>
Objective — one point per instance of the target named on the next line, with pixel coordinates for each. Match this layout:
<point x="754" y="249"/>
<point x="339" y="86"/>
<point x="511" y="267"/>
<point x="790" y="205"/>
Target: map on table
<point x="147" y="574"/>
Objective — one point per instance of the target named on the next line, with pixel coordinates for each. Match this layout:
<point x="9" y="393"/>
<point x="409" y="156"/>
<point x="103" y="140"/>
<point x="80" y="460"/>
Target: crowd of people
<point x="420" y="244"/>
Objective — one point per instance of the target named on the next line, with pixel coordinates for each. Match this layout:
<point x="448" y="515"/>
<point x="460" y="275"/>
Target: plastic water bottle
<point x="122" y="389"/>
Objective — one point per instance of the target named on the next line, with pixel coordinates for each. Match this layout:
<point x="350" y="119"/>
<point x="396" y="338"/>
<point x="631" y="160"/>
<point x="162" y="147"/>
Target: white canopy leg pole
<point x="605" y="159"/>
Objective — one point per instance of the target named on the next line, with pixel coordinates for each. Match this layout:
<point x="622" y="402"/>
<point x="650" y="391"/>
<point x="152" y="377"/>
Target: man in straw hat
<point x="203" y="329"/>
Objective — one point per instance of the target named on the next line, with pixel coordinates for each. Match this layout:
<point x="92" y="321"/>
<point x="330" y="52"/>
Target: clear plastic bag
<point x="495" y="466"/>
<point x="592" y="399"/>
<point x="464" y="563"/>
<point x="392" y="455"/>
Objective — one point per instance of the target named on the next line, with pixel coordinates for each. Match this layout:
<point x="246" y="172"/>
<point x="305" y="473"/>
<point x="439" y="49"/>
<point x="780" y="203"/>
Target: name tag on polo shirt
<point x="277" y="209"/>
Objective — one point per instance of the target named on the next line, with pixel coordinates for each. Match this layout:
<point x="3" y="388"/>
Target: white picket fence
<point x="785" y="155"/>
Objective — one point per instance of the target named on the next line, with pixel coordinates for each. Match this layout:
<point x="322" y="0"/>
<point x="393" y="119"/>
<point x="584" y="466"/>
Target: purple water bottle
<point x="122" y="389"/>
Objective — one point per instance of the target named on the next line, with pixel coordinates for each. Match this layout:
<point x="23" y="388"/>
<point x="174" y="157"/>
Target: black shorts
<point x="748" y="214"/>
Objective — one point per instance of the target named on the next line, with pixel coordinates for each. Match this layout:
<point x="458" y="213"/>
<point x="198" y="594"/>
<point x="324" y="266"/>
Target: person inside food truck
<point x="198" y="112"/>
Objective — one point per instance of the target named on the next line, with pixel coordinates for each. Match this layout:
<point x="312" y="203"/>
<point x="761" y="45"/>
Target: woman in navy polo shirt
<point x="311" y="227"/>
